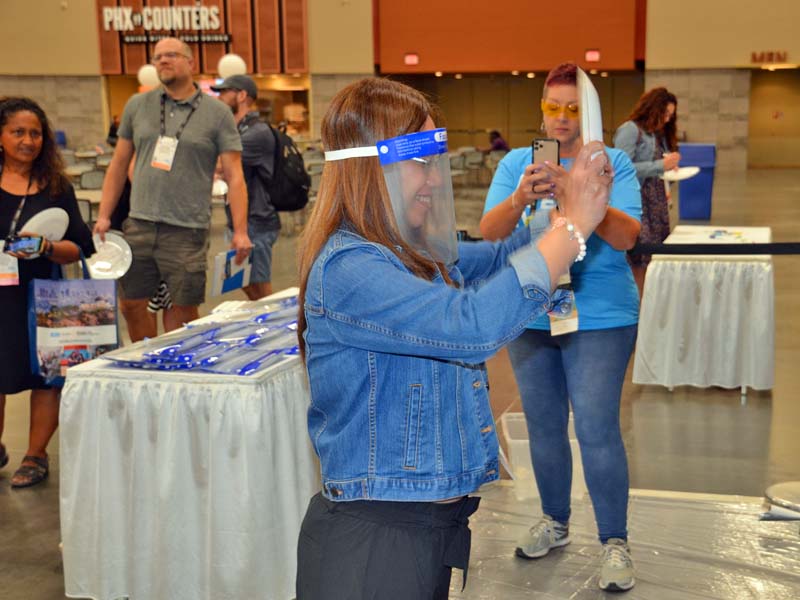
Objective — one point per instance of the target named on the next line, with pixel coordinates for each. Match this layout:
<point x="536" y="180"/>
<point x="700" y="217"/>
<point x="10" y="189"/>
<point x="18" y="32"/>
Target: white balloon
<point x="148" y="76"/>
<point x="231" y="64"/>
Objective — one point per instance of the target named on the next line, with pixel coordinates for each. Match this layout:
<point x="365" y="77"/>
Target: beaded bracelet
<point x="574" y="234"/>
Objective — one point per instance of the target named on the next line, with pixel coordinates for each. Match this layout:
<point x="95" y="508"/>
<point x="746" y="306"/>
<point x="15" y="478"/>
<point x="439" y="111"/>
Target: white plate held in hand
<point x="591" y="115"/>
<point x="679" y="174"/>
<point x="112" y="259"/>
<point x="50" y="223"/>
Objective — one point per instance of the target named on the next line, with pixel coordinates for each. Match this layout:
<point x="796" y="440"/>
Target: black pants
<point x="373" y="550"/>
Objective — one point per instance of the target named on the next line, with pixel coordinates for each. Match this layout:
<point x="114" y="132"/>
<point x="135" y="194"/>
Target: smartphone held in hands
<point x="545" y="149"/>
<point x="26" y="245"/>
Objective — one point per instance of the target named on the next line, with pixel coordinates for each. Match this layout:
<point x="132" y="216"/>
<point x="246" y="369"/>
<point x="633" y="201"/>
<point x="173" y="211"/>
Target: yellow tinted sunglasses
<point x="554" y="109"/>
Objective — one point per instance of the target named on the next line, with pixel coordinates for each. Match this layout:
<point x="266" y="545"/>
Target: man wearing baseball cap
<point x="258" y="158"/>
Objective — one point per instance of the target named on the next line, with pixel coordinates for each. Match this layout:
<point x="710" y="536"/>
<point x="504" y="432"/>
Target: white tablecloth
<point x="183" y="486"/>
<point x="708" y="320"/>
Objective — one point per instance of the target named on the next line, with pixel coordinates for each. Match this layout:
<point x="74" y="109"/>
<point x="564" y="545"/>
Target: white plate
<point x="112" y="259"/>
<point x="51" y="223"/>
<point x="591" y="115"/>
<point x="682" y="173"/>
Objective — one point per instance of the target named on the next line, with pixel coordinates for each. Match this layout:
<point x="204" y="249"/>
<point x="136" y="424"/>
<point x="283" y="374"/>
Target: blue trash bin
<point x="61" y="138"/>
<point x="694" y="200"/>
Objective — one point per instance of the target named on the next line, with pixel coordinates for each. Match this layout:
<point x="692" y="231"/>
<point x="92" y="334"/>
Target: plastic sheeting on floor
<point x="685" y="547"/>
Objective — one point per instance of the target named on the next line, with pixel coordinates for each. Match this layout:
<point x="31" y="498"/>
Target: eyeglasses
<point x="554" y="109"/>
<point x="167" y="56"/>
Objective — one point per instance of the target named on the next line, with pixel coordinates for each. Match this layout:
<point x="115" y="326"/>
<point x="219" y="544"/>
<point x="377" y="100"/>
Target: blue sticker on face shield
<point x="413" y="145"/>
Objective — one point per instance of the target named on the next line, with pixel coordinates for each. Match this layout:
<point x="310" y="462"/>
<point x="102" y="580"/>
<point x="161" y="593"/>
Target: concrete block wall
<point x="713" y="107"/>
<point x="323" y="89"/>
<point x="72" y="103"/>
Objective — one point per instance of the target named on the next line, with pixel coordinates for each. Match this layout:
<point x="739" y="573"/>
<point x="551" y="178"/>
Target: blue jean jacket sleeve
<point x="370" y="301"/>
<point x="640" y="150"/>
<point x="478" y="261"/>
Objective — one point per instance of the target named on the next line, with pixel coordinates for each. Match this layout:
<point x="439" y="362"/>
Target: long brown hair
<point x="352" y="192"/>
<point x="48" y="168"/>
<point x="649" y="113"/>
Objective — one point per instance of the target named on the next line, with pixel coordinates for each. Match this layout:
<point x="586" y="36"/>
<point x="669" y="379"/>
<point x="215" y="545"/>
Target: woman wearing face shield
<point x="396" y="320"/>
<point x="584" y="368"/>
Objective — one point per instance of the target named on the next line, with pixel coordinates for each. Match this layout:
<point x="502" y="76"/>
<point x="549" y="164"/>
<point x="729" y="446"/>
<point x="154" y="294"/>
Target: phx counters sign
<point x="270" y="35"/>
<point x="163" y="20"/>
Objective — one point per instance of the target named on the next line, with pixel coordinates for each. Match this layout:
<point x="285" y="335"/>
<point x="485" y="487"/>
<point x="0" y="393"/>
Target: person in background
<point x="111" y="138"/>
<point x="160" y="300"/>
<point x="177" y="134"/>
<point x="258" y="158"/>
<point x="496" y="142"/>
<point x="31" y="180"/>
<point x="584" y="368"/>
<point x="649" y="138"/>
<point x="396" y="319"/>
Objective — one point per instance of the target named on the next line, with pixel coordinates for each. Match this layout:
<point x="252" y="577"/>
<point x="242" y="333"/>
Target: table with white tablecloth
<point x="181" y="485"/>
<point x="708" y="320"/>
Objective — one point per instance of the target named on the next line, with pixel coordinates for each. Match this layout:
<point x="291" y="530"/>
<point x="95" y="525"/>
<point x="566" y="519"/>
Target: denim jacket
<point x="399" y="401"/>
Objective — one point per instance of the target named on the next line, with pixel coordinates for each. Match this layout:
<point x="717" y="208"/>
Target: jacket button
<point x="486" y="429"/>
<point x="476" y="384"/>
<point x="335" y="492"/>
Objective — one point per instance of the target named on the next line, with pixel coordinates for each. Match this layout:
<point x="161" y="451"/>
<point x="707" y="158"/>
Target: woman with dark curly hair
<point x="31" y="180"/>
<point x="649" y="138"/>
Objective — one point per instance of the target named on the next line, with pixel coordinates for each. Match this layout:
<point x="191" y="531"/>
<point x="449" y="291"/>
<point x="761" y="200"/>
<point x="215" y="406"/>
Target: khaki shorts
<point x="177" y="255"/>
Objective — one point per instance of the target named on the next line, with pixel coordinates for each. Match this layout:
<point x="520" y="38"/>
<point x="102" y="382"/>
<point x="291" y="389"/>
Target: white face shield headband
<point x="417" y="174"/>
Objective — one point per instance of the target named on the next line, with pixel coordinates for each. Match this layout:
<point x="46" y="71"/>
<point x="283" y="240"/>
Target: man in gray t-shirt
<point x="176" y="134"/>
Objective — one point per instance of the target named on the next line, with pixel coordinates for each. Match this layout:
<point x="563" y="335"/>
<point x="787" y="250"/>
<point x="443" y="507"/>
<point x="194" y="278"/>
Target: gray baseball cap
<point x="240" y="83"/>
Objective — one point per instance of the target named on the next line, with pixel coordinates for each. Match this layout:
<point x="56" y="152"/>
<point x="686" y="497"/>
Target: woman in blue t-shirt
<point x="586" y="367"/>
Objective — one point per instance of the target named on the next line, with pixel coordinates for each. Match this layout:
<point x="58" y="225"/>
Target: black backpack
<point x="290" y="183"/>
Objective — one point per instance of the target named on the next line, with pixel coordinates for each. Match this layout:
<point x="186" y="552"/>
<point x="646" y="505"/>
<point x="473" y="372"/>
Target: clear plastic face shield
<point x="416" y="169"/>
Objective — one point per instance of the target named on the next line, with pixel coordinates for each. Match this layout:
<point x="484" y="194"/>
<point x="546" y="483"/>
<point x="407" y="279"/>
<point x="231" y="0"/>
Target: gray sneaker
<point x="543" y="536"/>
<point x="616" y="574"/>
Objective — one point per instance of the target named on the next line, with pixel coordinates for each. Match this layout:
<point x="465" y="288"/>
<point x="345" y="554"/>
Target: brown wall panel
<point x="239" y="18"/>
<point x="155" y="3"/>
<point x="212" y="52"/>
<point x="110" y="57"/>
<point x="474" y="36"/>
<point x="193" y="45"/>
<point x="268" y="39"/>
<point x="133" y="55"/>
<point x="640" y="42"/>
<point x="295" y="36"/>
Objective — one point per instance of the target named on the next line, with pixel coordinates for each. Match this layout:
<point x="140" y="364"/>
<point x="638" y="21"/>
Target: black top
<point x="15" y="367"/>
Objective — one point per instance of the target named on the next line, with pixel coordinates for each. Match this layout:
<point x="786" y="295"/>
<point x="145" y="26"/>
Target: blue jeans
<point x="588" y="369"/>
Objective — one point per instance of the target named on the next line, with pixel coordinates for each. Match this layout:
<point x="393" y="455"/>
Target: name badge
<point x="564" y="316"/>
<point x="164" y="153"/>
<point x="9" y="267"/>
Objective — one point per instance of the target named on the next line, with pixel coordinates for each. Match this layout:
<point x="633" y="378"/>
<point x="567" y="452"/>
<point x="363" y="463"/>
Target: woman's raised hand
<point x="588" y="188"/>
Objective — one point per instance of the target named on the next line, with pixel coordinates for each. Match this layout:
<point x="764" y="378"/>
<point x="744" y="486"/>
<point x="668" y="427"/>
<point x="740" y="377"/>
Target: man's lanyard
<point x="195" y="104"/>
